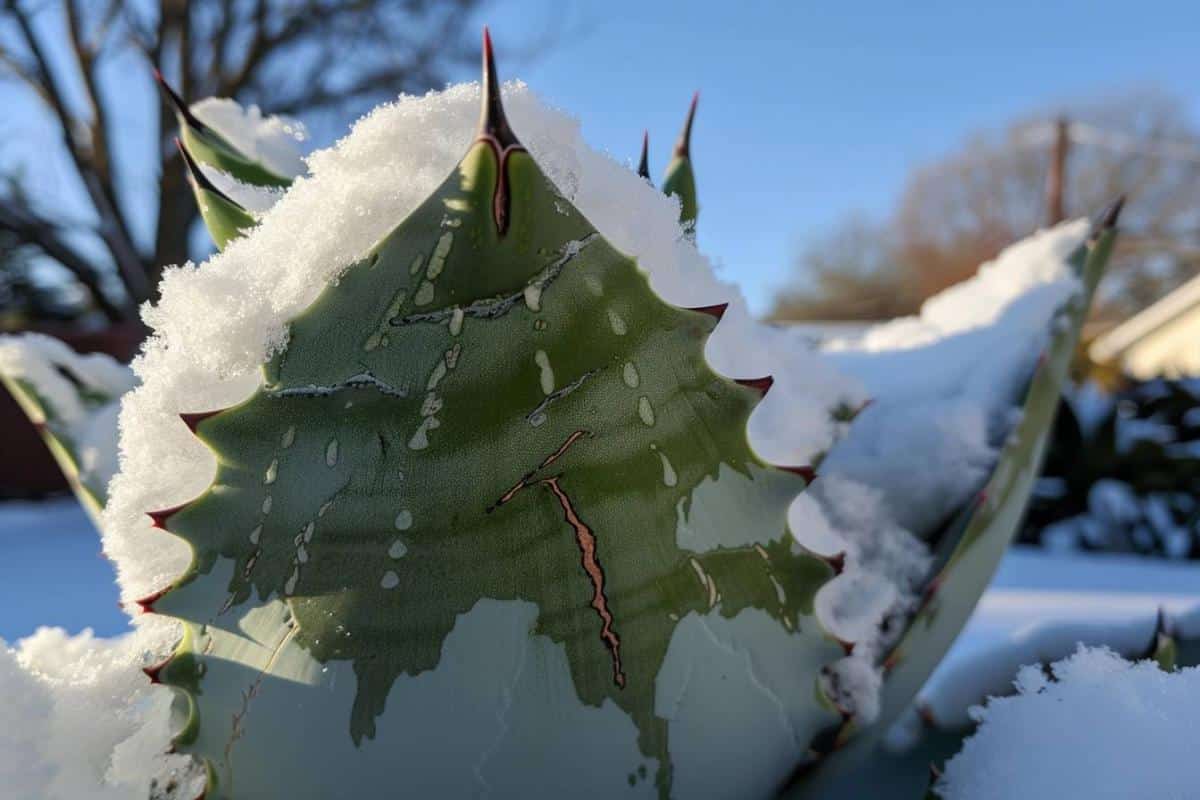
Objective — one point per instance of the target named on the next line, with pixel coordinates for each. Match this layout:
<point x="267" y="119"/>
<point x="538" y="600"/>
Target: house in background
<point x="1161" y="341"/>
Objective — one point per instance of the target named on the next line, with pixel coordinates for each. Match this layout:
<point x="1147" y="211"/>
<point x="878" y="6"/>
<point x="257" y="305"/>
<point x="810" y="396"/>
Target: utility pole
<point x="1057" y="177"/>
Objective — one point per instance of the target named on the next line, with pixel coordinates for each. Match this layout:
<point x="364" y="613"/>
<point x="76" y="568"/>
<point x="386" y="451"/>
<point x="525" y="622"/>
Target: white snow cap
<point x="1105" y="728"/>
<point x="275" y="142"/>
<point x="944" y="387"/>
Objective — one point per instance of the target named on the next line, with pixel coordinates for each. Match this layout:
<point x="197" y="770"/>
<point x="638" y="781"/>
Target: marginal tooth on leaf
<point x="760" y="385"/>
<point x="889" y="663"/>
<point x="683" y="147"/>
<point x="146" y="604"/>
<point x="716" y="311"/>
<point x="643" y="169"/>
<point x="931" y="589"/>
<point x="193" y="419"/>
<point x="492" y="120"/>
<point x="197" y="176"/>
<point x="837" y="562"/>
<point x="926" y="715"/>
<point x="154" y="671"/>
<point x="181" y="108"/>
<point x="809" y="474"/>
<point x="159" y="518"/>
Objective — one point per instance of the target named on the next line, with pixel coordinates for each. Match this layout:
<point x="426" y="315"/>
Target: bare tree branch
<point x="43" y="235"/>
<point x="112" y="231"/>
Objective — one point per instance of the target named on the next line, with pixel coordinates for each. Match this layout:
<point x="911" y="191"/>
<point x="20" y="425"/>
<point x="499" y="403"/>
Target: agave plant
<point x="492" y="424"/>
<point x="491" y="442"/>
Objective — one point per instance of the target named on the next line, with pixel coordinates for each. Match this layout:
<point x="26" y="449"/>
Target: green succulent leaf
<point x="973" y="543"/>
<point x="492" y="407"/>
<point x="224" y="218"/>
<point x="679" y="178"/>
<point x="208" y="147"/>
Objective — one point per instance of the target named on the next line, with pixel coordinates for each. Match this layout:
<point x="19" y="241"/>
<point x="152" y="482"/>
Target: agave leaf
<point x="973" y="544"/>
<point x="73" y="401"/>
<point x="224" y="218"/>
<point x="208" y="147"/>
<point x="491" y="414"/>
<point x="679" y="178"/>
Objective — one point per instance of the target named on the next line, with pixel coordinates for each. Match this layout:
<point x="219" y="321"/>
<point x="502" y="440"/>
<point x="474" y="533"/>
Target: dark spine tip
<point x="926" y="715"/>
<point x="180" y="106"/>
<point x="643" y="169"/>
<point x="809" y="474"/>
<point x="193" y="420"/>
<point x="492" y="120"/>
<point x="760" y="385"/>
<point x="683" y="147"/>
<point x="716" y="311"/>
<point x="1111" y="214"/>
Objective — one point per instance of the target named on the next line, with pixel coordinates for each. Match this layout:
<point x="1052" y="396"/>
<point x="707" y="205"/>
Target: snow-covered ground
<point x="53" y="574"/>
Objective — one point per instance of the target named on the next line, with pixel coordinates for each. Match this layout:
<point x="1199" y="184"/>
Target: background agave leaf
<point x="488" y="431"/>
<point x="970" y="548"/>
<point x="209" y="147"/>
<point x="224" y="218"/>
<point x="679" y="178"/>
<point x="73" y="401"/>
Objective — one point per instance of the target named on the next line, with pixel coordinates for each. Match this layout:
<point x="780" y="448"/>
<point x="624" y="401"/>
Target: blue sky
<point x="810" y="111"/>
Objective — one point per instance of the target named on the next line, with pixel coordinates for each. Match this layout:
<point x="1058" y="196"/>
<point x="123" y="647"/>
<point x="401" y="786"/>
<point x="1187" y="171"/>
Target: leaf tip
<point x="643" y="169"/>
<point x="492" y="120"/>
<point x="683" y="147"/>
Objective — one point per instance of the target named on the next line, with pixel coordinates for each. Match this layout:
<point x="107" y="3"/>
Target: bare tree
<point x="963" y="209"/>
<point x="78" y="73"/>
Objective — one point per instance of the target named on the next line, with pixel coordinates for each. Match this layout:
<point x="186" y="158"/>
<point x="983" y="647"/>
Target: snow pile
<point x="945" y="388"/>
<point x="275" y="142"/>
<point x="81" y="394"/>
<point x="950" y="693"/>
<point x="79" y="718"/>
<point x="1103" y="728"/>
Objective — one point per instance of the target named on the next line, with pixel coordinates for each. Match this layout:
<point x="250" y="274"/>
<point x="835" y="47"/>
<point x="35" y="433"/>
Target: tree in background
<point x="962" y="210"/>
<point x="75" y="194"/>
